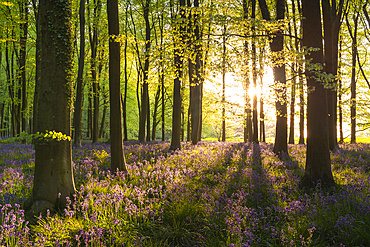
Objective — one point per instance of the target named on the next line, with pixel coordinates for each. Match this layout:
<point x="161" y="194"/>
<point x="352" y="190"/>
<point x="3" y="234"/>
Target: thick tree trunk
<point x="53" y="177"/>
<point x="79" y="91"/>
<point x="318" y="167"/>
<point x="118" y="161"/>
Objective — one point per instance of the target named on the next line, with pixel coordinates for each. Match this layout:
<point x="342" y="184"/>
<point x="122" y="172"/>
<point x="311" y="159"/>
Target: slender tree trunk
<point x="318" y="167"/>
<point x="144" y="116"/>
<point x="118" y="161"/>
<point x="353" y="75"/>
<point x="276" y="45"/>
<point x="89" y="112"/>
<point x="223" y="135"/>
<point x="300" y="79"/>
<point x="102" y="124"/>
<point x="77" y="120"/>
<point x="197" y="81"/>
<point x="178" y="57"/>
<point x="124" y="103"/>
<point x="37" y="61"/>
<point x="95" y="81"/>
<point x="254" y="76"/>
<point x="293" y="76"/>
<point x="301" y="107"/>
<point x="262" y="113"/>
<point x="247" y="101"/>
<point x="22" y="62"/>
<point x="341" y="138"/>
<point x="163" y="109"/>
<point x="155" y="111"/>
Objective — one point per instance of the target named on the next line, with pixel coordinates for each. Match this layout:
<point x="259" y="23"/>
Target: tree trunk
<point x="177" y="101"/>
<point x="247" y="101"/>
<point x="332" y="21"/>
<point x="254" y="76"/>
<point x="102" y="124"/>
<point x="95" y="81"/>
<point x="155" y="111"/>
<point x="276" y="45"/>
<point x="124" y="104"/>
<point x="262" y="113"/>
<point x="22" y="62"/>
<point x="197" y="81"/>
<point x="53" y="177"/>
<point x="294" y="66"/>
<point x="340" y="110"/>
<point x="89" y="112"/>
<point x="223" y="135"/>
<point x="318" y="167"/>
<point x="144" y="116"/>
<point x="118" y="161"/>
<point x="77" y="120"/>
<point x="37" y="69"/>
<point x="300" y="85"/>
<point x="353" y="75"/>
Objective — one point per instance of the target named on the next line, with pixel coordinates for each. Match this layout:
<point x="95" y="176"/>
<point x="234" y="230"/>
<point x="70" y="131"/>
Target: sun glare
<point x="254" y="91"/>
<point x="235" y="91"/>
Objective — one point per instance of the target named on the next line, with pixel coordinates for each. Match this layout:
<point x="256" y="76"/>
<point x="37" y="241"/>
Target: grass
<point x="212" y="194"/>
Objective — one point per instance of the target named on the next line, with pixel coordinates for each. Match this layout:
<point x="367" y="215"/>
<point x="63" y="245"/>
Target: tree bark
<point x="37" y="69"/>
<point x="318" y="167"/>
<point x="79" y="91"/>
<point x="105" y="106"/>
<point x="353" y="75"/>
<point x="223" y="135"/>
<point x="196" y="81"/>
<point x="144" y="116"/>
<point x="254" y="76"/>
<point x="118" y="161"/>
<point x="155" y="111"/>
<point x="95" y="81"/>
<point x="124" y="104"/>
<point x="276" y="46"/>
<point x="178" y="57"/>
<point x="248" y="131"/>
<point x="53" y="177"/>
<point x="22" y="62"/>
<point x="332" y="15"/>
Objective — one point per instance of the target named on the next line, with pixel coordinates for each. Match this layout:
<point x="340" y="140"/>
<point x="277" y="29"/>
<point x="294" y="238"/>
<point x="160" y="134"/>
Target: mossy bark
<point x="53" y="177"/>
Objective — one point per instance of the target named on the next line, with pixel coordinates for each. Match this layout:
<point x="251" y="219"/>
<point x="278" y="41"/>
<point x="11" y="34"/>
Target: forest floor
<point x="212" y="194"/>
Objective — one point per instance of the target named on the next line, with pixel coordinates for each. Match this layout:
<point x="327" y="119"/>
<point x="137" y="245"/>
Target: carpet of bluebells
<point x="212" y="194"/>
